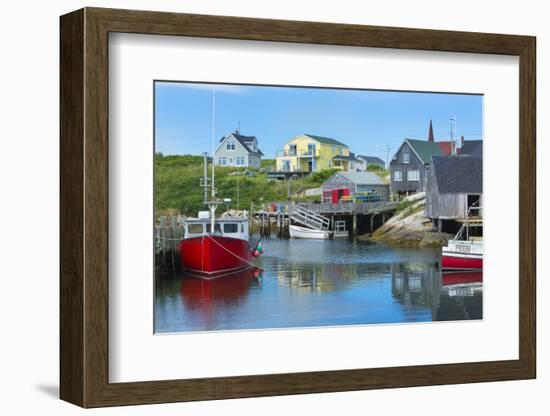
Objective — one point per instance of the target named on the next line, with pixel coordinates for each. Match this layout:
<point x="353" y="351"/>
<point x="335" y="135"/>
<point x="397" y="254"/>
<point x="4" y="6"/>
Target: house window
<point x="311" y="149"/>
<point x="292" y="150"/>
<point x="406" y="156"/>
<point x="413" y="175"/>
<point x="397" y="175"/>
<point x="230" y="145"/>
<point x="239" y="160"/>
<point x="230" y="161"/>
<point x="222" y="161"/>
<point x="333" y="150"/>
<point x="341" y="151"/>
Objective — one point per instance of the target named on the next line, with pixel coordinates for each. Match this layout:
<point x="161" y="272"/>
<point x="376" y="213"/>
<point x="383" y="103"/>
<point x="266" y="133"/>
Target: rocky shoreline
<point x="409" y="227"/>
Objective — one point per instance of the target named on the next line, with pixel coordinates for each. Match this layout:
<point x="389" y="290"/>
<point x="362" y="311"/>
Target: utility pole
<point x="387" y="149"/>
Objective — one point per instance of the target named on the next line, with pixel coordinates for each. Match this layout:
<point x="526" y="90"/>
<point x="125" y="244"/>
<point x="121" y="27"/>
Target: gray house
<point x="356" y="182"/>
<point x="238" y="150"/>
<point x="455" y="185"/>
<point x="410" y="165"/>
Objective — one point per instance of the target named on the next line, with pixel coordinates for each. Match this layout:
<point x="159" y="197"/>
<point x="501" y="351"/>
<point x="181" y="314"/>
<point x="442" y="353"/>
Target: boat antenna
<point x="213" y="139"/>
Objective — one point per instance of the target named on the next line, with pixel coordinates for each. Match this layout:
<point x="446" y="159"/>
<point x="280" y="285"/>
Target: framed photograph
<point x="256" y="207"/>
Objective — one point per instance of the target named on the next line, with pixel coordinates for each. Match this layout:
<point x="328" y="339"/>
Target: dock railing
<point x="349" y="207"/>
<point x="301" y="214"/>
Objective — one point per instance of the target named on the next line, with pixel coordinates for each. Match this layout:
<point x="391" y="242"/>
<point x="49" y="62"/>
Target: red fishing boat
<point x="213" y="247"/>
<point x="465" y="250"/>
<point x="218" y="253"/>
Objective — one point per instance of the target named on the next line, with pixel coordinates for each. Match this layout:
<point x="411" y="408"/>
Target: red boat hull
<point x="213" y="256"/>
<point x="461" y="262"/>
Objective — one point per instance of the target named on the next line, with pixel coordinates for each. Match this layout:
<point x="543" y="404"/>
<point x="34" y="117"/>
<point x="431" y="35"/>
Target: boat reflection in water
<point x="208" y="301"/>
<point x="198" y="293"/>
<point x="321" y="283"/>
<point x="449" y="295"/>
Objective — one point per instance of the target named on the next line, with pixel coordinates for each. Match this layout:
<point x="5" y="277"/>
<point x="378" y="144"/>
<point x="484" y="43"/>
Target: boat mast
<point x="213" y="139"/>
<point x="205" y="185"/>
<point x="212" y="205"/>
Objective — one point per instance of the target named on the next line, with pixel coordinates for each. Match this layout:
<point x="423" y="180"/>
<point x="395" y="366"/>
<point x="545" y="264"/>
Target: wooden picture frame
<point x="84" y="207"/>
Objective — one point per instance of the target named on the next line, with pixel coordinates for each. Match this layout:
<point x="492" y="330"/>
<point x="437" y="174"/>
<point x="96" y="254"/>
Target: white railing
<point x="309" y="218"/>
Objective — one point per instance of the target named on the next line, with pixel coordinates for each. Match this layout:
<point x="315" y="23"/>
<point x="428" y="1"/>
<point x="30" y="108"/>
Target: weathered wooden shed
<point x="357" y="182"/>
<point x="455" y="184"/>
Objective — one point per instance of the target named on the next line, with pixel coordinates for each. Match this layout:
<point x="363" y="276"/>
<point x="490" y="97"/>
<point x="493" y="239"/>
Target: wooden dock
<point x="359" y="217"/>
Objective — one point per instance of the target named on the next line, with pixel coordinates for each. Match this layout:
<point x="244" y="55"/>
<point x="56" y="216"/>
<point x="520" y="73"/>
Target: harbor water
<point x="312" y="283"/>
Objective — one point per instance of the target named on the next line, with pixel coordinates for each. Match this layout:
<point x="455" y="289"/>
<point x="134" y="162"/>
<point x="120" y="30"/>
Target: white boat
<point x="303" y="232"/>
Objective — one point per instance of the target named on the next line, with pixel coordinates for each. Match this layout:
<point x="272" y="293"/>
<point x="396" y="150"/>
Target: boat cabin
<point x="226" y="227"/>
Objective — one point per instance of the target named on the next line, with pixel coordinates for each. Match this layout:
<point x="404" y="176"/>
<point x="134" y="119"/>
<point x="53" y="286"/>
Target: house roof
<point x="245" y="141"/>
<point x="471" y="146"/>
<point x="325" y="140"/>
<point x="458" y="174"/>
<point x="446" y="147"/>
<point x="371" y="159"/>
<point x="361" y="178"/>
<point x="425" y="150"/>
<point x="344" y="157"/>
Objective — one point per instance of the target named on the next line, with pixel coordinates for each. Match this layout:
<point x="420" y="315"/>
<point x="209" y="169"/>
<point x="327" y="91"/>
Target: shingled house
<point x="410" y="165"/>
<point x="238" y="150"/>
<point x="454" y="189"/>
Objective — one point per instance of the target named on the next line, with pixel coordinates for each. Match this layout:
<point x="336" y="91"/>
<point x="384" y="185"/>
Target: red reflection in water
<point x="199" y="293"/>
<point x="456" y="278"/>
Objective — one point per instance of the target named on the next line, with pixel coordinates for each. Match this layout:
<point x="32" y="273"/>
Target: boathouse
<point x="350" y="183"/>
<point x="454" y="190"/>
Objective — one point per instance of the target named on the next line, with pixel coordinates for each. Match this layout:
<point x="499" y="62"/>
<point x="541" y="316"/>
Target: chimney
<point x="431" y="133"/>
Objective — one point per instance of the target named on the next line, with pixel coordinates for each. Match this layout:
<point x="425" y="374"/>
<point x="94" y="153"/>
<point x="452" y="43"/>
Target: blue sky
<point x="367" y="121"/>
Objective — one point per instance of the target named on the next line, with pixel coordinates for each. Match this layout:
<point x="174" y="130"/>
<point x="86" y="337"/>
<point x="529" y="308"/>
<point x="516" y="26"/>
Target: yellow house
<point x="311" y="153"/>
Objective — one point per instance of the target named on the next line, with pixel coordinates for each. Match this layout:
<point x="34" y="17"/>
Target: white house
<point x="238" y="150"/>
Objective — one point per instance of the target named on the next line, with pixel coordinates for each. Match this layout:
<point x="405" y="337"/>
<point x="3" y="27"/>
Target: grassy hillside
<point x="177" y="185"/>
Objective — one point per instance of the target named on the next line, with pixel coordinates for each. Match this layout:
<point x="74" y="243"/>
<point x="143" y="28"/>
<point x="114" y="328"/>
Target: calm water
<point x="307" y="283"/>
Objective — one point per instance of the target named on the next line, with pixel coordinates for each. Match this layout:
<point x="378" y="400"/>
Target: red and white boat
<point x="215" y="254"/>
<point x="465" y="251"/>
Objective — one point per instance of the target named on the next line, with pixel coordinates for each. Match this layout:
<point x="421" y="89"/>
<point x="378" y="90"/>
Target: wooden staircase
<point x="309" y="218"/>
